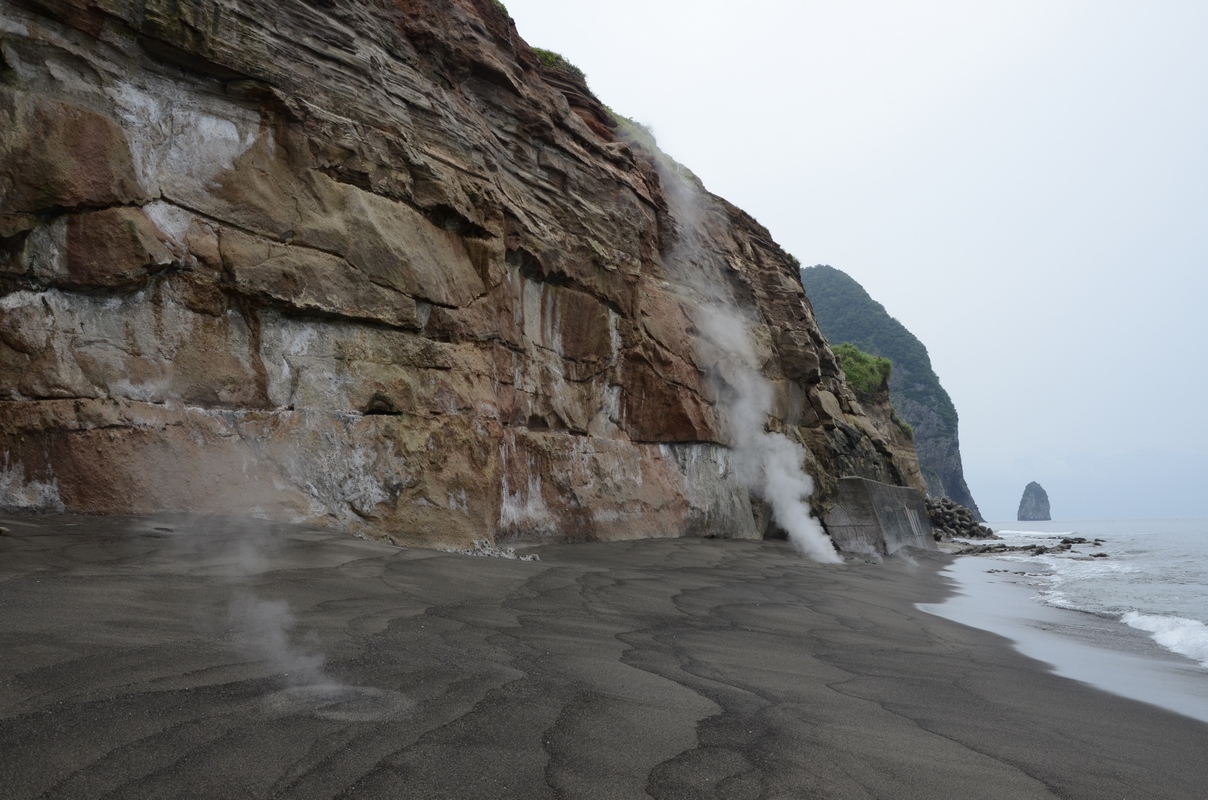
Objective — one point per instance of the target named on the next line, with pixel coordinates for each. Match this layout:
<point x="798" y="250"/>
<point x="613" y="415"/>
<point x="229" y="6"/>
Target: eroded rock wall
<point x="366" y="263"/>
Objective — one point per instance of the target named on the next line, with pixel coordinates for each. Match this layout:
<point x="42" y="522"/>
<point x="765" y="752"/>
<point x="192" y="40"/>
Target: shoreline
<point x="1103" y="652"/>
<point x="659" y="667"/>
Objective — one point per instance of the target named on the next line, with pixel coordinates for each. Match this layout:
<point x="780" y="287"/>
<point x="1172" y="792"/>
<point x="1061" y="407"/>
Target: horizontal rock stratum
<point x="370" y="264"/>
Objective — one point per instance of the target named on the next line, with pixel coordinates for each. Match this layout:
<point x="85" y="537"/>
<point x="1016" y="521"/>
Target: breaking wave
<point x="1187" y="637"/>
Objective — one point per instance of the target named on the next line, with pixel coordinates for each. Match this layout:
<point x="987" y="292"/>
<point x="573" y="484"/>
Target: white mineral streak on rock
<point x="12" y="25"/>
<point x="523" y="510"/>
<point x="128" y="347"/>
<point x="530" y="313"/>
<point x="283" y="343"/>
<point x="614" y="339"/>
<point x="459" y="501"/>
<point x="36" y="321"/>
<point x="18" y="493"/>
<point x="551" y="323"/>
<point x="361" y="489"/>
<point x="711" y="487"/>
<point x="173" y="221"/>
<point x="204" y="146"/>
<point x="148" y="131"/>
<point x="19" y="299"/>
<point x="178" y="143"/>
<point x="45" y="249"/>
<point x="342" y="475"/>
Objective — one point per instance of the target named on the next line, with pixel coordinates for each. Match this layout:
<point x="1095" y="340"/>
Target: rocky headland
<point x="375" y="265"/>
<point x="847" y="313"/>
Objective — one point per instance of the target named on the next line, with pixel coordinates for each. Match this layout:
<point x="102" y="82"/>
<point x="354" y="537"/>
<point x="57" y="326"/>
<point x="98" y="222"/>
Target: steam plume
<point x="768" y="463"/>
<point x="262" y="629"/>
<point x="236" y="551"/>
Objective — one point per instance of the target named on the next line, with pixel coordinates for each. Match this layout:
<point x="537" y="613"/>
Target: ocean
<point x="1134" y="622"/>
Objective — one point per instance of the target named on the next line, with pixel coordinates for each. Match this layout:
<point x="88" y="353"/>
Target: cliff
<point x="372" y="264"/>
<point x="846" y="313"/>
<point x="869" y="377"/>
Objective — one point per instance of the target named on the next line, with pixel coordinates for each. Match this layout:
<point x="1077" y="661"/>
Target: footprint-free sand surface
<point x="187" y="657"/>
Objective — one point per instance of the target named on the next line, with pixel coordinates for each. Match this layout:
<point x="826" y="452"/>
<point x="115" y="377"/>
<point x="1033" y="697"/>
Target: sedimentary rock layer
<point x="369" y="263"/>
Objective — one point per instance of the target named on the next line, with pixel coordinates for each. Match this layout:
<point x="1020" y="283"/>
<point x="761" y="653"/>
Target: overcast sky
<point x="1023" y="184"/>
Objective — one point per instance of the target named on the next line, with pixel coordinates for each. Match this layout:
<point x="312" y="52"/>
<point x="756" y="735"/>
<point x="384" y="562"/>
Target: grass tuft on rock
<point x="866" y="374"/>
<point x="557" y="62"/>
<point x="901" y="423"/>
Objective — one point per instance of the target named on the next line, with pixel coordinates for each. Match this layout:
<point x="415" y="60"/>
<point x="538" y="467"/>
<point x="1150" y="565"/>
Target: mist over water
<point x="767" y="463"/>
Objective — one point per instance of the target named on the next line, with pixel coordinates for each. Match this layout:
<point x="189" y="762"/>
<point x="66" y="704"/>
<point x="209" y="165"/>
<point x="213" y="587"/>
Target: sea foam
<point x="1187" y="637"/>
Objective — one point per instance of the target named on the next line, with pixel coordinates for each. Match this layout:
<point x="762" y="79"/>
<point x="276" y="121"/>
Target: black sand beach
<point x="149" y="658"/>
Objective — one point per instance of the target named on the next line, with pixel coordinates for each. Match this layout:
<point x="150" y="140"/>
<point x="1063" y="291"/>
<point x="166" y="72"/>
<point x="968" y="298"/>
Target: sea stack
<point x="1034" y="505"/>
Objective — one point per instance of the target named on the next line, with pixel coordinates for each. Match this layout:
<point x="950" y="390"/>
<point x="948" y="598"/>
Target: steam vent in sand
<point x="378" y="266"/>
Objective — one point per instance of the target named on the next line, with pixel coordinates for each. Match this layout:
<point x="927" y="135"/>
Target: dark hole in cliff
<point x="533" y="270"/>
<point x="536" y="423"/>
<point x="161" y="51"/>
<point x="495" y="77"/>
<point x="381" y="405"/>
<point x="10" y="247"/>
<point x="519" y="257"/>
<point x="763" y="520"/>
<point x="447" y="217"/>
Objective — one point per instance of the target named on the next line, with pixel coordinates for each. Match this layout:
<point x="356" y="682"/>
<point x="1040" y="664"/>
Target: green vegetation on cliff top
<point x="556" y="61"/>
<point x="866" y="373"/>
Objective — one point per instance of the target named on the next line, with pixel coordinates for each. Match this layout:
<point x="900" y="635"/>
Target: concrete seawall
<point x="876" y="519"/>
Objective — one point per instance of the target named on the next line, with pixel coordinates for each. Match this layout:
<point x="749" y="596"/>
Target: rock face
<point x="878" y="410"/>
<point x="370" y="264"/>
<point x="1034" y="505"/>
<point x="846" y="313"/>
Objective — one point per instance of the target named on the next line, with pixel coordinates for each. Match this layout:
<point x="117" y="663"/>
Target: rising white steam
<point x="263" y="629"/>
<point x="237" y="552"/>
<point x="768" y="463"/>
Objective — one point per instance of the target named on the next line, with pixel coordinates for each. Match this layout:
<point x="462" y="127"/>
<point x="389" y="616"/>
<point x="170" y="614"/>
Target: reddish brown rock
<point x="115" y="247"/>
<point x="59" y="155"/>
<point x="421" y="287"/>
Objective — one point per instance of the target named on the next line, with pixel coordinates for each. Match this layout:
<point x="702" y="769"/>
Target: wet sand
<point x="225" y="658"/>
<point x="994" y="596"/>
